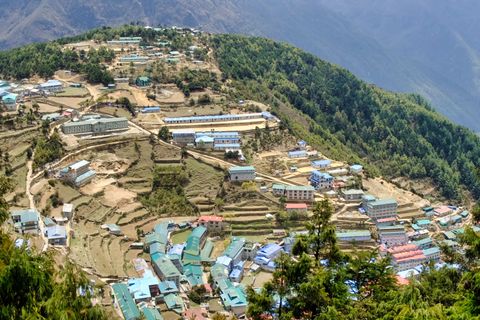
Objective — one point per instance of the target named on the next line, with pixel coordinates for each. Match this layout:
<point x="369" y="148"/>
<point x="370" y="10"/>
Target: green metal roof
<point x="241" y="169"/>
<point x="194" y="274"/>
<point x="300" y="188"/>
<point x="234" y="247"/>
<point x="383" y="202"/>
<point x="125" y="301"/>
<point x="151" y="314"/>
<point x="192" y="246"/>
<point x="353" y="233"/>
<point x="278" y="186"/>
<point x="166" y="266"/>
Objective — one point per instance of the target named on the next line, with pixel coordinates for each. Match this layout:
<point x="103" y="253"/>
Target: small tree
<point x="164" y="134"/>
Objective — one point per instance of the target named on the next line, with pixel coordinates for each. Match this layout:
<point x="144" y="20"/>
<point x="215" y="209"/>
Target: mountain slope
<point x="397" y="133"/>
<point x="408" y="46"/>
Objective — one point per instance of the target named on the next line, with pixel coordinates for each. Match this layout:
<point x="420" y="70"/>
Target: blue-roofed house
<point x="145" y="288"/>
<point x="10" y="101"/>
<point x="125" y="302"/>
<point x="321" y="164"/>
<point x="297" y="154"/>
<point x="245" y="173"/>
<point x="167" y="287"/>
<point x="269" y="251"/>
<point x="321" y="180"/>
<point x="57" y="235"/>
<point x="237" y="272"/>
<point x="302" y="144"/>
<point x="26" y="221"/>
<point x="356" y="169"/>
<point x="51" y="86"/>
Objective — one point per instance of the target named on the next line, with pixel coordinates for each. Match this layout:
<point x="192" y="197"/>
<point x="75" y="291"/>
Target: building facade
<point x="300" y="193"/>
<point x="95" y="125"/>
<point x="321" y="180"/>
<point x="240" y="174"/>
<point x="384" y="208"/>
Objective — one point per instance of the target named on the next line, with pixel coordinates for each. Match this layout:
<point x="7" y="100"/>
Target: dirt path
<point x="32" y="202"/>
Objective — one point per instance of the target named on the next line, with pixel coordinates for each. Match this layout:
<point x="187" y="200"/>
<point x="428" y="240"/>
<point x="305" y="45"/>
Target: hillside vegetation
<point x="393" y="134"/>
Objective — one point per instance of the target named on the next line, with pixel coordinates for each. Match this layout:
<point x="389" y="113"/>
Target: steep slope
<point x="398" y="134"/>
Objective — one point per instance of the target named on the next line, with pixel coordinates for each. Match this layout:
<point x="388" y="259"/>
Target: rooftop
<point x="56" y="232"/>
<point x="296" y="206"/>
<point x="241" y="169"/>
<point x="353" y="233"/>
<point x="28" y="215"/>
<point x="352" y="191"/>
<point x="234" y="247"/>
<point x="125" y="301"/>
<point x="299" y="188"/>
<point x="383" y="202"/>
<point x="166" y="266"/>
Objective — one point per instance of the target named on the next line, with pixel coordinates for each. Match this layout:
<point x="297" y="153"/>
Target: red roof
<point x="390" y="219"/>
<point x="296" y="206"/>
<point x="404" y="248"/>
<point x="402" y="281"/>
<point x="210" y="219"/>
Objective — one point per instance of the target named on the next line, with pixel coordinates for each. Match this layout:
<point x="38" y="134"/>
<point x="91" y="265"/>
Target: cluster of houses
<point x="27" y="221"/>
<point x="176" y="269"/>
<point x="12" y="93"/>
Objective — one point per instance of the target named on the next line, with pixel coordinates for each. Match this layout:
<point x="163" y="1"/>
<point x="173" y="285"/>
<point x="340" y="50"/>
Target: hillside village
<point x="175" y="197"/>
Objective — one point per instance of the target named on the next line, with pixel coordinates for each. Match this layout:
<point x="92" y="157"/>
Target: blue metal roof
<point x="85" y="176"/>
<point x="212" y="117"/>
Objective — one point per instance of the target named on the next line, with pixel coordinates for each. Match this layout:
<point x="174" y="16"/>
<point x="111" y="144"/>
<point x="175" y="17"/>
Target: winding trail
<point x="32" y="202"/>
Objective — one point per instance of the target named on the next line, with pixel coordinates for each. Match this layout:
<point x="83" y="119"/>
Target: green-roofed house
<point x="174" y="303"/>
<point x="354" y="235"/>
<point x="143" y="81"/>
<point x="124" y="300"/>
<point x="245" y="173"/>
<point x="26" y="221"/>
<point x="380" y="209"/>
<point x="194" y="244"/>
<point x="151" y="314"/>
<point x="278" y="189"/>
<point x="424" y="243"/>
<point x="235" y="249"/>
<point x="165" y="269"/>
<point x="194" y="274"/>
<point x="234" y="299"/>
<point x="206" y="252"/>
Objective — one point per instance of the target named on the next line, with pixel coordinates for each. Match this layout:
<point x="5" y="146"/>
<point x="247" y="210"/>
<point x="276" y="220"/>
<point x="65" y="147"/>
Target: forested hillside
<point x="398" y="134"/>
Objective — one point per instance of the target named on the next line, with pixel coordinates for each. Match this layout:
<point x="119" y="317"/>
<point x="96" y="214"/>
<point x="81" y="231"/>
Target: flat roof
<point x="381" y="202"/>
<point x="78" y="164"/>
<point x="241" y="169"/>
<point x="353" y="233"/>
<point x="296" y="206"/>
<point x="352" y="191"/>
<point x="299" y="188"/>
<point x="217" y="117"/>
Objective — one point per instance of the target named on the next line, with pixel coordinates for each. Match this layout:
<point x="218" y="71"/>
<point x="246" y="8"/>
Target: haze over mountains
<point x="430" y="47"/>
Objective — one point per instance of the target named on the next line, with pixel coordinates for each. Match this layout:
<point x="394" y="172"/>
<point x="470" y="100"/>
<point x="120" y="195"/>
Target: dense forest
<point x="321" y="282"/>
<point x="391" y="134"/>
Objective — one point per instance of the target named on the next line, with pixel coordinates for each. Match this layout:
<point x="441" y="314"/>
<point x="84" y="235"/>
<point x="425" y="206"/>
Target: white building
<point x="238" y="173"/>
